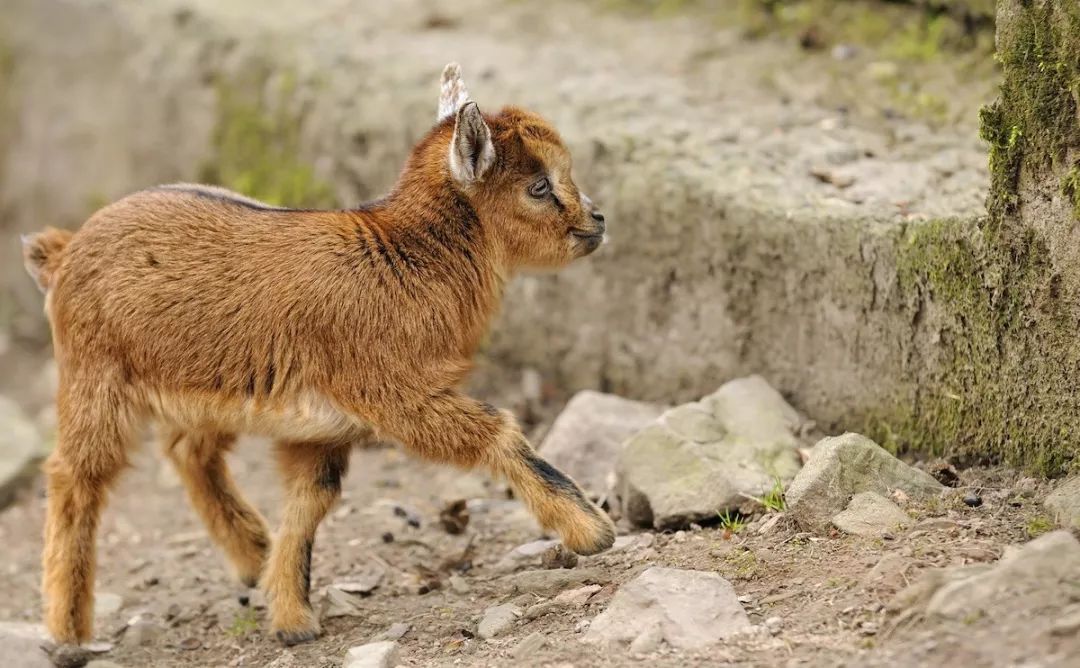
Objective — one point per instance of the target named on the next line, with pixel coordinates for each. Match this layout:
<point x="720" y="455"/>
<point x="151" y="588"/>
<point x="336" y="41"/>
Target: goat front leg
<point x="312" y="473"/>
<point x="458" y="430"/>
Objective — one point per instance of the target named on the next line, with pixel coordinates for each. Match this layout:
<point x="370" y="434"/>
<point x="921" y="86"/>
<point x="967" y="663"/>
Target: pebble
<point x="577" y="597"/>
<point x="458" y="584"/>
<point x="396" y="631"/>
<point x="558" y="556"/>
<point x="844" y="51"/>
<point x="972" y="500"/>
<point x="190" y="644"/>
<point x="497" y="620"/>
<point x="774" y="625"/>
<point x="372" y="655"/>
<point x="106" y="604"/>
<point x="647" y="642"/>
<point x="532" y="644"/>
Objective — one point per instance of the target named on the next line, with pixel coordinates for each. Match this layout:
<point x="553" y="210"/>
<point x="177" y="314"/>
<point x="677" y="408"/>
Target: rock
<point x="458" y="584"/>
<point x="869" y="514"/>
<point x="1036" y="575"/>
<point x="587" y="437"/>
<point x="647" y="641"/>
<point x="577" y="597"/>
<point x="972" y="500"/>
<point x="343" y="599"/>
<point x="382" y="654"/>
<point x="532" y="644"/>
<point x="706" y="457"/>
<point x="550" y="582"/>
<point x="774" y="625"/>
<point x="396" y="631"/>
<point x="842" y="466"/>
<point x="1064" y="503"/>
<point x="687" y="609"/>
<point x="142" y="631"/>
<point x="21" y="450"/>
<point x="528" y="553"/>
<point x="497" y="620"/>
<point x="558" y="556"/>
<point x="20" y="645"/>
<point x="106" y="603"/>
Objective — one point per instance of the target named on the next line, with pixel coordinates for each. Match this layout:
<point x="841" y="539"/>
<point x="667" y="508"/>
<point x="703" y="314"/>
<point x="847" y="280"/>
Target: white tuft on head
<point x="452" y="94"/>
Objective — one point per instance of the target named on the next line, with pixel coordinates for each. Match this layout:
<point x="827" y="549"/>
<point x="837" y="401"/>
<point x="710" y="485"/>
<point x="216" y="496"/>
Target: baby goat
<point x="216" y="314"/>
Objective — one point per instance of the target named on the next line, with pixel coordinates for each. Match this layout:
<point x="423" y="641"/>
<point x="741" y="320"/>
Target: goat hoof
<point x="290" y="638"/>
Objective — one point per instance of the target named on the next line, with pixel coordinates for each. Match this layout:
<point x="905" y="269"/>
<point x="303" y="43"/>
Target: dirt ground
<point x="829" y="597"/>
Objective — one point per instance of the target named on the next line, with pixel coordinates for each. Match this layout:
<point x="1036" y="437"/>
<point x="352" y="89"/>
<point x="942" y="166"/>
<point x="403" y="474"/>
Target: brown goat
<point x="215" y="314"/>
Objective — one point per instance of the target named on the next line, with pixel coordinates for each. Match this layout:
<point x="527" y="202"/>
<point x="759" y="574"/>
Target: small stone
<point x="868" y="628"/>
<point x="142" y="631"/>
<point x="844" y="51"/>
<point x="106" y="604"/>
<point x="558" y="556"/>
<point x="582" y="626"/>
<point x="550" y="582"/>
<point x="972" y="500"/>
<point x="687" y="609"/>
<point x="647" y="641"/>
<point x="497" y="620"/>
<point x="524" y="554"/>
<point x="532" y="644"/>
<point x="1064" y="503"/>
<point x="190" y="644"/>
<point x="396" y="631"/>
<point x="577" y="597"/>
<point x="455" y="517"/>
<point x="774" y="625"/>
<point x="458" y="584"/>
<point x="383" y="654"/>
<point x="870" y="514"/>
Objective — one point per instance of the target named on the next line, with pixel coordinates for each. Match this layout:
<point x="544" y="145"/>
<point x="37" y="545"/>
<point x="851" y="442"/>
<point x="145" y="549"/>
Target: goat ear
<point x="452" y="93"/>
<point x="471" y="151"/>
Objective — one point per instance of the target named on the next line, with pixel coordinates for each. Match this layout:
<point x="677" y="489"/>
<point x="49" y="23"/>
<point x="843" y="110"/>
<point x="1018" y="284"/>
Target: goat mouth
<point x="589" y="241"/>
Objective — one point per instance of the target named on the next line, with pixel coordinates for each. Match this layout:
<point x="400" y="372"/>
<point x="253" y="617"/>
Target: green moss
<point x="256" y="151"/>
<point x="1000" y="345"/>
<point x="1070" y="188"/>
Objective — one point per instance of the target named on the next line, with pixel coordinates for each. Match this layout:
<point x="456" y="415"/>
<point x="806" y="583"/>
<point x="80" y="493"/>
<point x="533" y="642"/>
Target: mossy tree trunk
<point x="1009" y="384"/>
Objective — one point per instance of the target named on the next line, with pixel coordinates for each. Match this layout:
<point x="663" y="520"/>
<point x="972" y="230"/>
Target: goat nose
<point x="597" y="216"/>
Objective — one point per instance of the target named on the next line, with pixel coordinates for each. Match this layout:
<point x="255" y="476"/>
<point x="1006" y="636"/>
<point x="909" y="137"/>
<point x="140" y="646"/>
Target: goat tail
<point x="42" y="254"/>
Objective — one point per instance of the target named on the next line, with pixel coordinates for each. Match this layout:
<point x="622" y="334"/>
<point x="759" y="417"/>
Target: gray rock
<point x="705" y="457"/>
<point x="107" y="603"/>
<point x="647" y="642"/>
<point x="587" y="437"/>
<point x="842" y="466"/>
<point x="774" y="625"/>
<point x="344" y="599"/>
<point x="686" y="609"/>
<point x="532" y="644"/>
<point x="551" y="582"/>
<point x="528" y="553"/>
<point x="497" y="620"/>
<point x="142" y="631"/>
<point x="382" y="654"/>
<point x="1064" y="503"/>
<point x="870" y="514"/>
<point x="20" y="645"/>
<point x="21" y="450"/>
<point x="396" y="631"/>
<point x="1038" y="575"/>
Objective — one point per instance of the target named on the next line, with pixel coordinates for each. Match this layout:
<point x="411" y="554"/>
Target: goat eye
<point x="540" y="188"/>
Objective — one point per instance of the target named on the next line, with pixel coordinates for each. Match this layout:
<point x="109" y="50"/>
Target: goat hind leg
<point x="93" y="437"/>
<point x="199" y="458"/>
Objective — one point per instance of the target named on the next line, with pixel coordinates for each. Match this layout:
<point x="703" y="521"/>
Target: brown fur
<point x="215" y="315"/>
